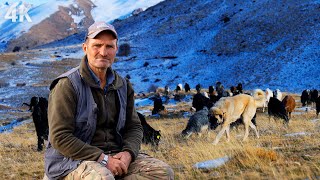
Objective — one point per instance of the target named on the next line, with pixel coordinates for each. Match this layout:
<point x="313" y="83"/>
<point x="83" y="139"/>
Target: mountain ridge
<point x="262" y="44"/>
<point x="225" y="39"/>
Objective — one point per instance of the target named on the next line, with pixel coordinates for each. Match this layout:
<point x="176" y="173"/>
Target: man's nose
<point x="103" y="51"/>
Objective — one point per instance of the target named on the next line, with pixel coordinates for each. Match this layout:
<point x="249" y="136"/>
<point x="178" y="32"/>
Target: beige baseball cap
<point x="98" y="27"/>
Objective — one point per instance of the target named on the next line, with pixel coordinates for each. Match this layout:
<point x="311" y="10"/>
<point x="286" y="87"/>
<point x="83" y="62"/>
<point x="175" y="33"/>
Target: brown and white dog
<point x="229" y="109"/>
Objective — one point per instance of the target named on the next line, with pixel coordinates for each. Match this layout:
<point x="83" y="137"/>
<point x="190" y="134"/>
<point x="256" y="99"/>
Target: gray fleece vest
<point x="57" y="165"/>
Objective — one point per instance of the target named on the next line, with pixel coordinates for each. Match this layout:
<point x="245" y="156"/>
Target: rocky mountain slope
<point x="58" y="25"/>
<point x="261" y="44"/>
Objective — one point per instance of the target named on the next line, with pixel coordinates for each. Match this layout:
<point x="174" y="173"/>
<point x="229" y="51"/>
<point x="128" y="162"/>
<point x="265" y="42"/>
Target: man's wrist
<point x="131" y="154"/>
<point x="105" y="160"/>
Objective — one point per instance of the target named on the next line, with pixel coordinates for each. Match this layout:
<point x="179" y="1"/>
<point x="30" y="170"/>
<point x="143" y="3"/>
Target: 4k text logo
<point x="17" y="11"/>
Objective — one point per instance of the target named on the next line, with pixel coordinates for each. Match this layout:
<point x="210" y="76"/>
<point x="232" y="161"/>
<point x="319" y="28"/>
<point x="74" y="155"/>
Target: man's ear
<point x="85" y="47"/>
<point x="117" y="47"/>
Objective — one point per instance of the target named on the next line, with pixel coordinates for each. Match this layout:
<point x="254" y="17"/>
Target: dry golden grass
<point x="18" y="155"/>
<point x="272" y="156"/>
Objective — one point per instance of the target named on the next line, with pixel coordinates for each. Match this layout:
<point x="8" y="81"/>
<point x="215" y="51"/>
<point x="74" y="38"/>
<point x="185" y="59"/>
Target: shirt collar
<point x="110" y="76"/>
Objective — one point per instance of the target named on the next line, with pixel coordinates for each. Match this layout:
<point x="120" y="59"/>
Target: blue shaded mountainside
<point x="261" y="44"/>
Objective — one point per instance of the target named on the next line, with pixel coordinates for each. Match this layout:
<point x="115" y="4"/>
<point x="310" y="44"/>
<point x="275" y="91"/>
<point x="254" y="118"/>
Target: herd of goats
<point x="230" y="108"/>
<point x="212" y="108"/>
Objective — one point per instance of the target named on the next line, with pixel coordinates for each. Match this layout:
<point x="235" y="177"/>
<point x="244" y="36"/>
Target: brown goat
<point x="289" y="104"/>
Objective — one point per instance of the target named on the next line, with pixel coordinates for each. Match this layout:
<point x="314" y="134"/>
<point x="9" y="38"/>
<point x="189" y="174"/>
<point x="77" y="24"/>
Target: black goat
<point x="211" y="90"/>
<point x="277" y="109"/>
<point x="198" y="87"/>
<point x="199" y="101"/>
<point x="240" y="122"/>
<point x="305" y="97"/>
<point x="314" y="95"/>
<point x="239" y="88"/>
<point x="318" y="105"/>
<point x="212" y="95"/>
<point x="187" y="87"/>
<point x="150" y="135"/>
<point x="39" y="108"/>
<point x="233" y="90"/>
<point x="214" y="122"/>
<point x="157" y="104"/>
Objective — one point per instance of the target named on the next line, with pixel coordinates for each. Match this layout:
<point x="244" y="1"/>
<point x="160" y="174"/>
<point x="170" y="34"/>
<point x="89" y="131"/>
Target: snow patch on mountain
<point x="114" y="9"/>
<point x="38" y="12"/>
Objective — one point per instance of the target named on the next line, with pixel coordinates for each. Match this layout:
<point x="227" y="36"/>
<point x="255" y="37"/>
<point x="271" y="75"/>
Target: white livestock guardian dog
<point x="229" y="109"/>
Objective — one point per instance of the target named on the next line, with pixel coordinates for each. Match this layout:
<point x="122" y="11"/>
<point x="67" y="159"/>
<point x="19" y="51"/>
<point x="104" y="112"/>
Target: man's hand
<point x="124" y="157"/>
<point x="116" y="166"/>
<point x="119" y="163"/>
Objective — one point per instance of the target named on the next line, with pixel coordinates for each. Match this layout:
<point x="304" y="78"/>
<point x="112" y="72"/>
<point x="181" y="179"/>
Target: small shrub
<point x="173" y="65"/>
<point x="124" y="50"/>
<point x="225" y="19"/>
<point x="3" y="84"/>
<point x="16" y="49"/>
<point x="157" y="80"/>
<point x="152" y="88"/>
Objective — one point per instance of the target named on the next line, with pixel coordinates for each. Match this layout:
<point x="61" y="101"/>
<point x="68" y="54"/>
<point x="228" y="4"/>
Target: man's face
<point x="100" y="51"/>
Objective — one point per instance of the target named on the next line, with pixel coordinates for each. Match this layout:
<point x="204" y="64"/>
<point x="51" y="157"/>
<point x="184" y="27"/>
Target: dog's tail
<point x="259" y="97"/>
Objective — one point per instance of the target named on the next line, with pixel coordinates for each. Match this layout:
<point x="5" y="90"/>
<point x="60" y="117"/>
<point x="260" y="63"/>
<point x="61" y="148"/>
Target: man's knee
<point x="90" y="170"/>
<point x="161" y="171"/>
<point x="149" y="168"/>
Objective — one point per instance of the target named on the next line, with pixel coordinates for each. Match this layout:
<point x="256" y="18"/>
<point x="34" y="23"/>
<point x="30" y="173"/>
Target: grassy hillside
<point x="272" y="156"/>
